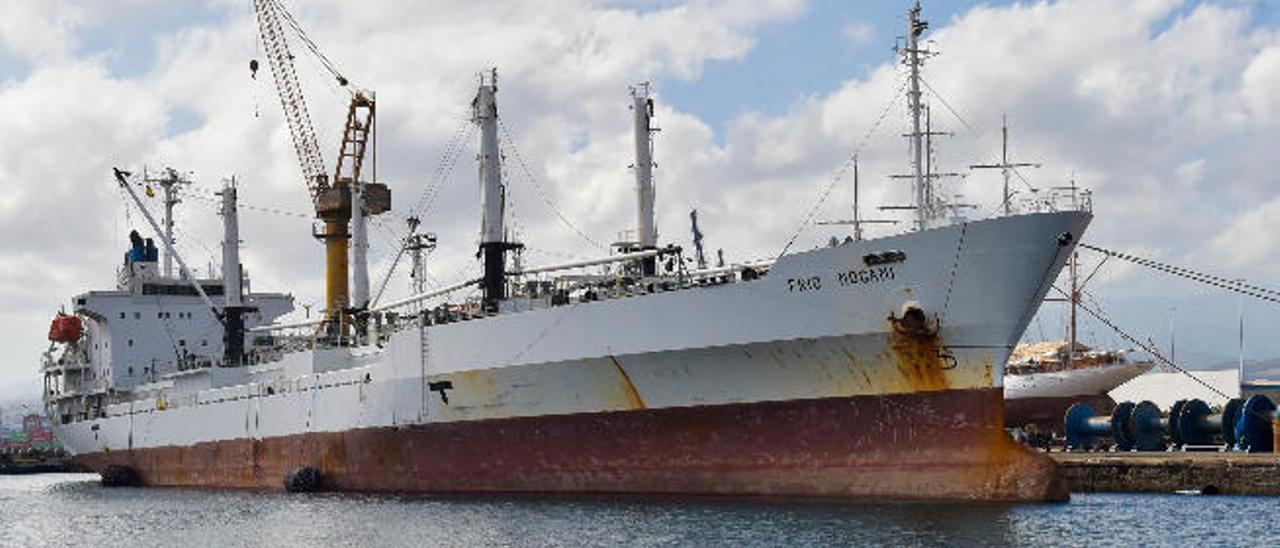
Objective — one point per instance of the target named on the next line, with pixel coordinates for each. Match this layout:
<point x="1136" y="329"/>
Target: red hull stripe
<point x="926" y="445"/>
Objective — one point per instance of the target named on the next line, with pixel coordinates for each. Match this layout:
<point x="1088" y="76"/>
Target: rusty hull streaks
<point x="917" y="351"/>
<point x="947" y="445"/>
<point x="629" y="388"/>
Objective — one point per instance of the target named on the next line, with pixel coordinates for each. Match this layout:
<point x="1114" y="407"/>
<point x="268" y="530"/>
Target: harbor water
<point x="74" y="510"/>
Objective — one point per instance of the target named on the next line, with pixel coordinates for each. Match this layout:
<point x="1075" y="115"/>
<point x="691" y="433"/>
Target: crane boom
<point x="338" y="198"/>
<point x="291" y="99"/>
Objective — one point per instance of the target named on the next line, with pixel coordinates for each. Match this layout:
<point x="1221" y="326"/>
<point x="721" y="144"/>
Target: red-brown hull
<point x="927" y="445"/>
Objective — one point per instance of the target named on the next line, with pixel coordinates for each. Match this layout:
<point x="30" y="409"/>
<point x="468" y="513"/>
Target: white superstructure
<point x="151" y="328"/>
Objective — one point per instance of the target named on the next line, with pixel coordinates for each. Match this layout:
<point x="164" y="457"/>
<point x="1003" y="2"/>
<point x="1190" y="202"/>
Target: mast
<point x="857" y="220"/>
<point x="1075" y="298"/>
<point x="493" y="246"/>
<point x="1005" y="198"/>
<point x="916" y="27"/>
<point x="233" y="310"/>
<point x="359" y="248"/>
<point x="1006" y="167"/>
<point x="857" y="216"/>
<point x="170" y="184"/>
<point x="642" y="112"/>
<point x="417" y="244"/>
<point x="1240" y="311"/>
<point x="231" y="277"/>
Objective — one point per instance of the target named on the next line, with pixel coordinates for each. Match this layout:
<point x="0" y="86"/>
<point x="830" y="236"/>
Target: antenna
<point x="1005" y="166"/>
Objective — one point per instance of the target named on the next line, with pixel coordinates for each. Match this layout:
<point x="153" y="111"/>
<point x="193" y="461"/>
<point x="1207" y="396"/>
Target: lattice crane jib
<point x="292" y="102"/>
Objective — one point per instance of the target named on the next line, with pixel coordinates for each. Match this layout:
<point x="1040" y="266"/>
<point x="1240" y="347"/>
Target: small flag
<point x="151" y="193"/>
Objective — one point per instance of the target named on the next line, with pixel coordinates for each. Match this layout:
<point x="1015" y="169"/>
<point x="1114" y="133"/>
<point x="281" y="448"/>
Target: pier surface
<point x="1167" y="472"/>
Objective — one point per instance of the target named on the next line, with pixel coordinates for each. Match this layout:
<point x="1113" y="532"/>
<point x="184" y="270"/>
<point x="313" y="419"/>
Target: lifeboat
<point x="65" y="329"/>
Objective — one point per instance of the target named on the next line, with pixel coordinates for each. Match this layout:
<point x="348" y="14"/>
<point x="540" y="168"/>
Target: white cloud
<point x="1167" y="115"/>
<point x="39" y="31"/>
<point x="1248" y="244"/>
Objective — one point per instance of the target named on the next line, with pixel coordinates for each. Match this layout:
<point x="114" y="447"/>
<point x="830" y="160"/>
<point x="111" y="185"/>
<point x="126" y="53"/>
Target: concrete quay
<point x="1169" y="472"/>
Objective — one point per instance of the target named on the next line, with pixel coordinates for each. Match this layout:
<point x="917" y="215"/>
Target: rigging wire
<point x="1208" y="279"/>
<point x="242" y="205"/>
<point x="973" y="131"/>
<point x="838" y="174"/>
<point x="1145" y="347"/>
<point x="443" y="173"/>
<point x="542" y="193"/>
<point x="308" y="43"/>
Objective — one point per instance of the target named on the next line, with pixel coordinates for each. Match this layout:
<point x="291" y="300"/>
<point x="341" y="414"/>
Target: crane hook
<point x="253" y="69"/>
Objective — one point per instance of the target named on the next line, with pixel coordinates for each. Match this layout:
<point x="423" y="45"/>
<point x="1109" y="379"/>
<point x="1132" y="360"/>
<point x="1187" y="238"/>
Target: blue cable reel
<point x="1146" y="427"/>
<point x="1084" y="428"/>
<point x="1253" y="427"/>
<point x="1120" y="426"/>
<point x="1175" y="434"/>
<point x="1230" y="414"/>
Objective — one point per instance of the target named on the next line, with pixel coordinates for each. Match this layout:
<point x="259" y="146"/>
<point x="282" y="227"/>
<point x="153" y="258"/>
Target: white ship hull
<point x="1085" y="381"/>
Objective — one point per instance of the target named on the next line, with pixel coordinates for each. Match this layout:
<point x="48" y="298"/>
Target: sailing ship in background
<point x="869" y="368"/>
<point x="1045" y="379"/>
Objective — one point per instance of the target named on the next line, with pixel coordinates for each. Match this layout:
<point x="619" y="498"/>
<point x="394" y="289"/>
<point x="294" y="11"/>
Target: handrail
<point x="424" y="296"/>
<point x="728" y="269"/>
<point x="590" y="262"/>
<point x="461" y="285"/>
<point x="283" y="326"/>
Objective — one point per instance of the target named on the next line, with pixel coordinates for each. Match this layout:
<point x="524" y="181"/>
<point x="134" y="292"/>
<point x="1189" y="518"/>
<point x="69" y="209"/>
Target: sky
<point x="1164" y="108"/>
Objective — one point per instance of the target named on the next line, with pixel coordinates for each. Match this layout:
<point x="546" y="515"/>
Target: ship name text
<point x="811" y="283"/>
<point x="864" y="276"/>
<point x="847" y="278"/>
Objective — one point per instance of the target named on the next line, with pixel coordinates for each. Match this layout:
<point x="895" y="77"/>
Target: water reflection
<point x="73" y="510"/>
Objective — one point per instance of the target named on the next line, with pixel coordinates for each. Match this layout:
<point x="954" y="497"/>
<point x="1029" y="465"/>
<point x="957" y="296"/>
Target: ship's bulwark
<point x="926" y="445"/>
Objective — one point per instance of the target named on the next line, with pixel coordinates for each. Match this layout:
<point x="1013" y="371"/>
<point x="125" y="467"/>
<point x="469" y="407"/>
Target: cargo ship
<point x="868" y="369"/>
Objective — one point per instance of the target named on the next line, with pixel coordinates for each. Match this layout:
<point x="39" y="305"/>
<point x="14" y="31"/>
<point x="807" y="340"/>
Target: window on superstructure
<point x="137" y="315"/>
<point x="130" y="342"/>
<point x="122" y="315"/>
<point x="182" y="342"/>
<point x="204" y="342"/>
<point x="130" y="370"/>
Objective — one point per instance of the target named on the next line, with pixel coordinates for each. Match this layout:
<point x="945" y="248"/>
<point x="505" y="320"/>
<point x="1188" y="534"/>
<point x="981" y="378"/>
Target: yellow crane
<point x="335" y="197"/>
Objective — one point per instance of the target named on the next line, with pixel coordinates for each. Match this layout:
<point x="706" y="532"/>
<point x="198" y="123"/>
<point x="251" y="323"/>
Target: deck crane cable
<point x="1241" y="287"/>
<point x="542" y="192"/>
<point x="844" y="168"/>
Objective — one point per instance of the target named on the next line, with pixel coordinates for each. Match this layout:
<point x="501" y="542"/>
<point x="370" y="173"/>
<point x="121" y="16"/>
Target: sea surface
<point x="74" y="510"/>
